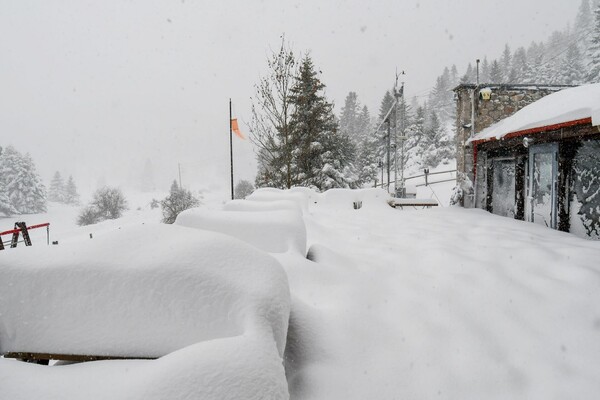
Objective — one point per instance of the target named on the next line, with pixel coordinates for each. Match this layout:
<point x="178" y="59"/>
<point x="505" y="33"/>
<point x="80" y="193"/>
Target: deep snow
<point x="439" y="303"/>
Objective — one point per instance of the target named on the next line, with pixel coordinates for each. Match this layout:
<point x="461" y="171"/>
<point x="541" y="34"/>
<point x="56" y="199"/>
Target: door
<point x="542" y="174"/>
<point x="503" y="187"/>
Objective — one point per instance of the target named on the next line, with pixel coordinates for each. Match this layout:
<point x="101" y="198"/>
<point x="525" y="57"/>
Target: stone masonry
<point x="492" y="103"/>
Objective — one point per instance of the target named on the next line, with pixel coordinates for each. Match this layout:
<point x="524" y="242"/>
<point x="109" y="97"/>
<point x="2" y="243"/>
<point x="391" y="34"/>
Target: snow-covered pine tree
<point x="56" y="191"/>
<point x="496" y="74"/>
<point x="582" y="31"/>
<point x="366" y="162"/>
<point x="6" y="207"/>
<point x="593" y="67"/>
<point x="571" y="67"/>
<point x="71" y="195"/>
<point x="415" y="133"/>
<point x="454" y="78"/>
<point x="484" y="76"/>
<point x="469" y="76"/>
<point x="349" y="117"/>
<point x="25" y="190"/>
<point x="506" y="65"/>
<point x="436" y="146"/>
<point x="520" y="66"/>
<point x="386" y="103"/>
<point x="322" y="156"/>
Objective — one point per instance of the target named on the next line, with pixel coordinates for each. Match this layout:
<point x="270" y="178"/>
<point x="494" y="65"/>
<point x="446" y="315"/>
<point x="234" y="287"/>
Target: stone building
<point x="541" y="164"/>
<point x="478" y="107"/>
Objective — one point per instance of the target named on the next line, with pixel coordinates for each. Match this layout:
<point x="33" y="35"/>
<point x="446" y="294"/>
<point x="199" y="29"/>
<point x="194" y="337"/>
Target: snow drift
<point x="274" y="231"/>
<point x="140" y="292"/>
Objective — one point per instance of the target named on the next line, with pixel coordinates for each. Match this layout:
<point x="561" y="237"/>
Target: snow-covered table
<point x="423" y="203"/>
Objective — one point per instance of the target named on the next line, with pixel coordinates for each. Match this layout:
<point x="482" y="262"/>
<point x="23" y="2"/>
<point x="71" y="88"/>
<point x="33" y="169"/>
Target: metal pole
<point x="179" y="168"/>
<point x="396" y="151"/>
<point x="389" y="138"/>
<point x="231" y="148"/>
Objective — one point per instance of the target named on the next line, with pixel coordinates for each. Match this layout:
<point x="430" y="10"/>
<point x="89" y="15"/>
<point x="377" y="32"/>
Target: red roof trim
<point x="546" y="128"/>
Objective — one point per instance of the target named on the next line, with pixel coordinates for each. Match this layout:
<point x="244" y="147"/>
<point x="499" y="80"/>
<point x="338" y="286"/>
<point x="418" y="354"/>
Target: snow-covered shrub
<point x="107" y="203"/>
<point x="88" y="216"/>
<point x="243" y="189"/>
<point x="178" y="200"/>
<point x="461" y="190"/>
<point x="110" y="202"/>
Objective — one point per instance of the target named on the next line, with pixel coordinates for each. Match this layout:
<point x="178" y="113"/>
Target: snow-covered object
<point x="271" y="194"/>
<point x="142" y="291"/>
<point x="346" y="198"/>
<point x="243" y="205"/>
<point x="277" y="231"/>
<point x="241" y="367"/>
<point x="561" y="107"/>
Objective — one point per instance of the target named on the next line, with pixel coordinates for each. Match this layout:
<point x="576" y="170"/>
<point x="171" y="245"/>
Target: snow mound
<point x="243" y="205"/>
<point x="298" y="196"/>
<point x="564" y="106"/>
<point x="346" y="198"/>
<point x="240" y="367"/>
<point x="142" y="291"/>
<point x="276" y="231"/>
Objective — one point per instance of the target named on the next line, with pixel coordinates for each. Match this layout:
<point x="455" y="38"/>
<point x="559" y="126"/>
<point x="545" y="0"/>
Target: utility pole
<point x="231" y="148"/>
<point x="389" y="138"/>
<point x="398" y="94"/>
<point x="179" y="167"/>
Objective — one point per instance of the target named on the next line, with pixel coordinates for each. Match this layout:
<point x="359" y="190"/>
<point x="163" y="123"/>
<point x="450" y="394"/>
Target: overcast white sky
<point x="94" y="88"/>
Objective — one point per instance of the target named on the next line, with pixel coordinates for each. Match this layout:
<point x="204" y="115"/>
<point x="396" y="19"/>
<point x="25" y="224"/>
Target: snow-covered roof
<point x="566" y="107"/>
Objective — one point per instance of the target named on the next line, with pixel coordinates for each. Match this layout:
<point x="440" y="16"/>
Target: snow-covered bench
<point x="139" y="292"/>
<point x="414" y="203"/>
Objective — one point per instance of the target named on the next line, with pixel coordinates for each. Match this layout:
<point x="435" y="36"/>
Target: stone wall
<point x="504" y="101"/>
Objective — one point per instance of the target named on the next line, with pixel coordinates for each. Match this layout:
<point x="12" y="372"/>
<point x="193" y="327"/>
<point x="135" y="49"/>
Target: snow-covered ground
<point x="440" y="303"/>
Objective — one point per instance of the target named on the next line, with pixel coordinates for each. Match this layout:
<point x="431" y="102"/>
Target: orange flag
<point x="236" y="129"/>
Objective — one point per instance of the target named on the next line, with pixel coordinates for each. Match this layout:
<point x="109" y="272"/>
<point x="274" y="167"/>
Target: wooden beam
<point x="67" y="357"/>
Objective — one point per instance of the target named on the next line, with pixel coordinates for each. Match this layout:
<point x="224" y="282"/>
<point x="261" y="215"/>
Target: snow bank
<point x="243" y="205"/>
<point x="144" y="291"/>
<point x="298" y="196"/>
<point x="564" y="106"/>
<point x="445" y="303"/>
<point x="276" y="231"/>
<point x="240" y="367"/>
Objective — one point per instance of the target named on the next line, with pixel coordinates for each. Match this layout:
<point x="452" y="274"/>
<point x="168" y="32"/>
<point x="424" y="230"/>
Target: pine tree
<point x="6" y="207"/>
<point x="382" y="136"/>
<point x="349" y="117"/>
<point x="593" y="68"/>
<point x="469" y="76"/>
<point x="436" y="146"/>
<point x="322" y="155"/>
<point x="71" y="195"/>
<point x="520" y="65"/>
<point x="56" y="192"/>
<point x="366" y="165"/>
<point x="506" y="65"/>
<point x="25" y="190"/>
<point x="496" y="74"/>
<point x="571" y="71"/>
<point x="485" y="71"/>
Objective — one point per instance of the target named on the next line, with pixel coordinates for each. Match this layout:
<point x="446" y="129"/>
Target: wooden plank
<point x="67" y="357"/>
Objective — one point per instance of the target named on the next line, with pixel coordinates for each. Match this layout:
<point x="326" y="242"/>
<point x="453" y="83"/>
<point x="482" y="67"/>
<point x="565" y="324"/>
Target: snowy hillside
<point x="443" y="303"/>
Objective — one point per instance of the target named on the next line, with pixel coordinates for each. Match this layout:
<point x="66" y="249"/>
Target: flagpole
<point x="231" y="148"/>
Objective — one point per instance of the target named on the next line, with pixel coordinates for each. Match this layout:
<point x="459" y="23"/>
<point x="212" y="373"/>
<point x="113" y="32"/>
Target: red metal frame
<point x="28" y="228"/>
